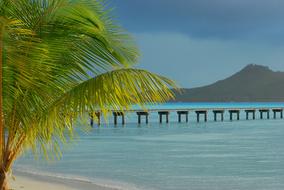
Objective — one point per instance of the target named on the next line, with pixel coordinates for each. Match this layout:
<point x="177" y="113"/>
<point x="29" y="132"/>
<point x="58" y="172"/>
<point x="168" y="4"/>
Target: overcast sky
<point x="196" y="42"/>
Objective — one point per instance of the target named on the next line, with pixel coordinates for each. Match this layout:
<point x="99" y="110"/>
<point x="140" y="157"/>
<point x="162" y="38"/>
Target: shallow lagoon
<point x="213" y="155"/>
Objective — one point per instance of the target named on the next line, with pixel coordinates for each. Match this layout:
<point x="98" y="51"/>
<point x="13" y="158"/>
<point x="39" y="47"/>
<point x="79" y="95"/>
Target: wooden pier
<point x="234" y="111"/>
<point x="248" y="111"/>
<point x="180" y="113"/>
<point x="97" y="115"/>
<point x="117" y="114"/>
<point x="166" y="113"/>
<point x="277" y="111"/>
<point x="261" y="111"/>
<point x="221" y="112"/>
<point x="143" y="113"/>
<point x="201" y="112"/>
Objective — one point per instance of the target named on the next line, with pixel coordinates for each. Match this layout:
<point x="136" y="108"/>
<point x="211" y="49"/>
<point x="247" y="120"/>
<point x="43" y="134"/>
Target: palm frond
<point x="117" y="89"/>
<point x="61" y="59"/>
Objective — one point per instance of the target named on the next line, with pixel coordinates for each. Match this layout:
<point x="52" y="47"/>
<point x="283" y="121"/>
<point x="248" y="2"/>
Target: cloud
<point x="197" y="42"/>
<point x="195" y="62"/>
<point x="259" y="20"/>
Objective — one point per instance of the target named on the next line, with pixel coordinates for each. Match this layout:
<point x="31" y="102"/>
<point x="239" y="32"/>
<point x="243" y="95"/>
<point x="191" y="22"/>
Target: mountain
<point x="254" y="83"/>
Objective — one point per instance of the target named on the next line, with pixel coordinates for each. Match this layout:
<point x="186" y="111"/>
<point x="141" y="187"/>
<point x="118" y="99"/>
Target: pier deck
<point x="198" y="111"/>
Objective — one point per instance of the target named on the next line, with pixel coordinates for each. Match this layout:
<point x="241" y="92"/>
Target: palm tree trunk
<point x="1" y="99"/>
<point x="3" y="174"/>
<point x="3" y="181"/>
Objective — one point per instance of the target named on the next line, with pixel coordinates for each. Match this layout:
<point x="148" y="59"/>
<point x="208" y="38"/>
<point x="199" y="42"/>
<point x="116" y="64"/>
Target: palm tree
<point x="60" y="59"/>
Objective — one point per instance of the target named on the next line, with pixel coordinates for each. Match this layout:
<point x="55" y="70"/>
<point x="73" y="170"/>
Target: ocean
<point x="235" y="155"/>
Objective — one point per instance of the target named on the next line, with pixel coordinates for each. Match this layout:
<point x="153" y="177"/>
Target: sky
<point x="197" y="42"/>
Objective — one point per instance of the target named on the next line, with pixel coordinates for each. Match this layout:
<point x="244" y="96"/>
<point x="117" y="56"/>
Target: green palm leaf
<point x="118" y="90"/>
<point x="60" y="60"/>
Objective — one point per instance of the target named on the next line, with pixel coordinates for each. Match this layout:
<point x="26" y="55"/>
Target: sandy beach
<point x="24" y="181"/>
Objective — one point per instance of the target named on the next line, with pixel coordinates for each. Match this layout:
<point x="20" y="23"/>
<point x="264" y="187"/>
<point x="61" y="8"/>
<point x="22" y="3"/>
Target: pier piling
<point x="180" y="113"/>
<point x="91" y="120"/>
<point x="218" y="112"/>
<point x="98" y="115"/>
<point x="261" y="111"/>
<point x="277" y="110"/>
<point x="234" y="112"/>
<point x="142" y="113"/>
<point x="201" y="112"/>
<point x="116" y="114"/>
<point x="183" y="114"/>
<point x="248" y="111"/>
<point x="161" y="113"/>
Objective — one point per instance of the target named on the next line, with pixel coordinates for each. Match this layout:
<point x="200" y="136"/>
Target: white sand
<point x="26" y="183"/>
<point x="33" y="182"/>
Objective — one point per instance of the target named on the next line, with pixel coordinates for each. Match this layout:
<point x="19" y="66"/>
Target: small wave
<point x="104" y="183"/>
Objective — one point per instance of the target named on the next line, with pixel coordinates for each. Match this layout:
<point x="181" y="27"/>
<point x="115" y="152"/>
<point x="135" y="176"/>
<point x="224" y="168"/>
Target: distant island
<point x="254" y="83"/>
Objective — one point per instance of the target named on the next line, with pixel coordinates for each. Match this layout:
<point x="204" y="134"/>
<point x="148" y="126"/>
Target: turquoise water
<point x="186" y="156"/>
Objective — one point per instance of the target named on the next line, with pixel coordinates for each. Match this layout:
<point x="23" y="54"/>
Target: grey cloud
<point x="225" y="19"/>
<point x="196" y="62"/>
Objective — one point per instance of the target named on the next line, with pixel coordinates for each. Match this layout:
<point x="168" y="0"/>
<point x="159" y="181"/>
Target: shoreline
<point x="28" y="181"/>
